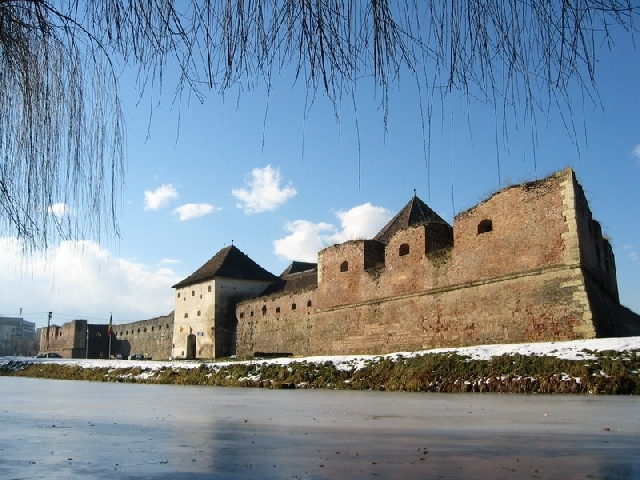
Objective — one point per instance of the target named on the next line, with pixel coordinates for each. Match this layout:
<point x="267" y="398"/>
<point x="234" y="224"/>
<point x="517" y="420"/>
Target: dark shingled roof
<point x="229" y="262"/>
<point x="297" y="277"/>
<point x="416" y="212"/>
<point x="298" y="267"/>
<point x="300" y="276"/>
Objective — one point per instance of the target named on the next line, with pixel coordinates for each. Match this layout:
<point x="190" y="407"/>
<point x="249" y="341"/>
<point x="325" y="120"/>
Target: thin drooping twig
<point x="61" y="123"/>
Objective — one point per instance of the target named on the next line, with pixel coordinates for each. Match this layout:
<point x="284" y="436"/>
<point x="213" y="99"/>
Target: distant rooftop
<point x="297" y="276"/>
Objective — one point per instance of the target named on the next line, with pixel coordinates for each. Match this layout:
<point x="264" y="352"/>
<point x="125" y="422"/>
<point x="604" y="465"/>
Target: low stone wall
<point x="151" y="338"/>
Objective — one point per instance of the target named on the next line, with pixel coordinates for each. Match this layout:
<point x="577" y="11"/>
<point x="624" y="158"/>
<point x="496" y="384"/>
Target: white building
<point x="205" y="317"/>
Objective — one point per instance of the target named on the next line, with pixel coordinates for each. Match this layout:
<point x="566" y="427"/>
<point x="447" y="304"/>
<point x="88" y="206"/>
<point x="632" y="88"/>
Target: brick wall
<point x="534" y="307"/>
<point x="70" y="340"/>
<point x="152" y="338"/>
<point x="527" y="264"/>
<point x="279" y="323"/>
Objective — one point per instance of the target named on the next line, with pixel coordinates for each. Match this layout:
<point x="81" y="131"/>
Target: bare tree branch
<point x="61" y="125"/>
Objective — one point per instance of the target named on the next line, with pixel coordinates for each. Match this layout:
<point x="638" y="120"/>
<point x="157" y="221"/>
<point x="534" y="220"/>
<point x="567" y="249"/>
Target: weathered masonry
<point x="76" y="339"/>
<point x="149" y="338"/>
<point x="527" y="264"/>
<point x="80" y="339"/>
<point x="204" y="317"/>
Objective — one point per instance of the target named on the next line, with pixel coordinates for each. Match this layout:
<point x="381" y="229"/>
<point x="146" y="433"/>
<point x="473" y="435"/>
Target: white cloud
<point x="194" y="210"/>
<point x="155" y="200"/>
<point x="169" y="261"/>
<point x="636" y="152"/>
<point x="59" y="210"/>
<point x="305" y="241"/>
<point x="363" y="221"/>
<point x="632" y="253"/>
<point x="264" y="192"/>
<point x="82" y="280"/>
<point x="308" y="238"/>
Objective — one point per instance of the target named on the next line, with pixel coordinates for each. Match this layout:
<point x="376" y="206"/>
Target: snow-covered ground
<point x="573" y="350"/>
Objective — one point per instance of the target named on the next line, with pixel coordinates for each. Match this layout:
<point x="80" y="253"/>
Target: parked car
<point x="49" y="355"/>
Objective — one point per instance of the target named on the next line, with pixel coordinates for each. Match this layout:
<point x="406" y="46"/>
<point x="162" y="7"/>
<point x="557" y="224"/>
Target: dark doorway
<point x="191" y="347"/>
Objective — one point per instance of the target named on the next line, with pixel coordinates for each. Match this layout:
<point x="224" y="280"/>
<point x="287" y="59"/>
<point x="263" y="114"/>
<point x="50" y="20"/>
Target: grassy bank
<point x="599" y="372"/>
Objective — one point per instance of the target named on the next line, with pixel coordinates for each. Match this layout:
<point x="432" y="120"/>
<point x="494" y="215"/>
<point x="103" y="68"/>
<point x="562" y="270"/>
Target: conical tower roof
<point x="416" y="212"/>
<point x="229" y="262"/>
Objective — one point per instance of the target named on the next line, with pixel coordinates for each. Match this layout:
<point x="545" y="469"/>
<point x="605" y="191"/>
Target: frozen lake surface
<point x="64" y="429"/>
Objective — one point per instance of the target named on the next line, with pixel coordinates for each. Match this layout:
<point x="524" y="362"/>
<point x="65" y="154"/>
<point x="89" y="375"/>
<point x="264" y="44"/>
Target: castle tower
<point x="205" y="320"/>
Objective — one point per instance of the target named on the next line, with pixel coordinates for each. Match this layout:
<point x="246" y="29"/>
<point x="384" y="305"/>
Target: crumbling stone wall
<point x="596" y="254"/>
<point x="527" y="264"/>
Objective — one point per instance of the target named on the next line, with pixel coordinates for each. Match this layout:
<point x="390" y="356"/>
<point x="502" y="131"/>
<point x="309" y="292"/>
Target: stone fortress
<point x="527" y="264"/>
<point x="81" y="339"/>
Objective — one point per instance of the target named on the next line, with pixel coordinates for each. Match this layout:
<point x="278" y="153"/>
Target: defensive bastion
<point x="527" y="264"/>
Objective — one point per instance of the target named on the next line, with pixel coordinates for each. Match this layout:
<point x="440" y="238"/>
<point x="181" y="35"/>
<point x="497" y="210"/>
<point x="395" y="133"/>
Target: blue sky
<point x="256" y="170"/>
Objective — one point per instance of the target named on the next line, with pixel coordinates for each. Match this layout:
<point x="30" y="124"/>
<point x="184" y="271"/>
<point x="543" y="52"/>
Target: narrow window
<point x="403" y="250"/>
<point x="159" y="327"/>
<point x="186" y="315"/>
<point x="344" y="266"/>
<point x="193" y="293"/>
<point x="178" y="294"/>
<point x="209" y="288"/>
<point x="198" y="313"/>
<point x="308" y="303"/>
<point x="277" y="309"/>
<point x="264" y="310"/>
<point x="485" y="226"/>
<point x="152" y="329"/>
<point x="139" y="329"/>
<point x="145" y="329"/>
<point x="293" y="306"/>
<point x="241" y="314"/>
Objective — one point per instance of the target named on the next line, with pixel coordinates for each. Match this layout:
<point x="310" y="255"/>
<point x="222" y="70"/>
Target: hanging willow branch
<point x="61" y="130"/>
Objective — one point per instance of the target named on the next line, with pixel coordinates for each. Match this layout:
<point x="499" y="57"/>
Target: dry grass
<point x="607" y="373"/>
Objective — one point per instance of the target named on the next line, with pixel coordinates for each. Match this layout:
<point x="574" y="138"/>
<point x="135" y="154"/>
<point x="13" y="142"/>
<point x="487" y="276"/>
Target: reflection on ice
<point x="58" y="429"/>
